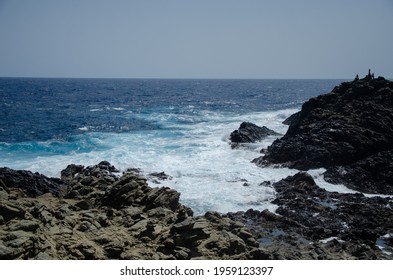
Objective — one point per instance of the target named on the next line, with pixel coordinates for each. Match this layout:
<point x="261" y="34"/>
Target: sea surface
<point x="180" y="127"/>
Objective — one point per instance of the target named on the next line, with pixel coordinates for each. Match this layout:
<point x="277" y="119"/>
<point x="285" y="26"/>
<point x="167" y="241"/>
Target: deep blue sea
<point x="180" y="127"/>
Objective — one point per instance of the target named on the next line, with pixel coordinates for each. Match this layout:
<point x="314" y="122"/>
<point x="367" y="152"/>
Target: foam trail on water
<point x="317" y="175"/>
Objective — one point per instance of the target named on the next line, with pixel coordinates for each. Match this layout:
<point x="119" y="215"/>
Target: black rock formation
<point x="316" y="224"/>
<point x="348" y="127"/>
<point x="250" y="133"/>
<point x="33" y="184"/>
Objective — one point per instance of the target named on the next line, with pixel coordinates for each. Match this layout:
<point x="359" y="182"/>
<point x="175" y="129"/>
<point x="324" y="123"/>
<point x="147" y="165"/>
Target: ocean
<point x="179" y="127"/>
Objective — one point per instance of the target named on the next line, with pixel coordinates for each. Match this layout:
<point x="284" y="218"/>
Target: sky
<point x="255" y="39"/>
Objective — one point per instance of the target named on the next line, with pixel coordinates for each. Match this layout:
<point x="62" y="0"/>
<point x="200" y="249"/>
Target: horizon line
<point x="164" y="78"/>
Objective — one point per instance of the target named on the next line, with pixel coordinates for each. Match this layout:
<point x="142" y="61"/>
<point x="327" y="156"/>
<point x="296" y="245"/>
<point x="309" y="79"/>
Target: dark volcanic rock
<point x="249" y="133"/>
<point x="373" y="174"/>
<point x="70" y="171"/>
<point x="33" y="184"/>
<point x="292" y="119"/>
<point x="316" y="224"/>
<point x="348" y="125"/>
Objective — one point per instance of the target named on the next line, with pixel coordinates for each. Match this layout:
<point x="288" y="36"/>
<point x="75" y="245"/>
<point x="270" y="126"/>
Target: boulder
<point x="9" y="210"/>
<point x="250" y="133"/>
<point x="70" y="172"/>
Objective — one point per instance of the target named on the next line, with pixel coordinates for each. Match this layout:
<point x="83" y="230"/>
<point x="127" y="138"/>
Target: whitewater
<point x="177" y="127"/>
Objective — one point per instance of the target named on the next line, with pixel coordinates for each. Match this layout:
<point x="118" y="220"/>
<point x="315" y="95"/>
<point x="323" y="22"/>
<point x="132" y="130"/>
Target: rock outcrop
<point x="316" y="224"/>
<point x="348" y="131"/>
<point x="33" y="184"/>
<point x="104" y="215"/>
<point x="250" y="133"/>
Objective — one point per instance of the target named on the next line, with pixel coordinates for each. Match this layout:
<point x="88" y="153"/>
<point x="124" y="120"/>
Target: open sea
<point x="180" y="127"/>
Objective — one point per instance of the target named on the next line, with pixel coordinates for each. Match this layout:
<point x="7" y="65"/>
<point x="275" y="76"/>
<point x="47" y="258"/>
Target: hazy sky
<point x="196" y="38"/>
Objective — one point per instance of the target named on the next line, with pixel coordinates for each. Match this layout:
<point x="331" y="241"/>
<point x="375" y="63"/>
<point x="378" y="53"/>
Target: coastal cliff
<point x="348" y="131"/>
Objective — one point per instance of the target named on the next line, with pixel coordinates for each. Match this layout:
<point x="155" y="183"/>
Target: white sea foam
<point x="192" y="148"/>
<point x="194" y="151"/>
<point x="317" y="175"/>
<point x="331" y="239"/>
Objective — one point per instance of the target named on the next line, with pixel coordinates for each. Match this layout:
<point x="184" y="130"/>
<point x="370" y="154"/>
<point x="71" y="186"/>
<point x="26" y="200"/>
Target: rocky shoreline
<point x="99" y="214"/>
<point x="96" y="212"/>
<point x="313" y="223"/>
<point x="348" y="131"/>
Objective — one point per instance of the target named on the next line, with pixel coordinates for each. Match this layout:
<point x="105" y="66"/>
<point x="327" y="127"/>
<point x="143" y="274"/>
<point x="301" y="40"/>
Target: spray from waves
<point x="192" y="148"/>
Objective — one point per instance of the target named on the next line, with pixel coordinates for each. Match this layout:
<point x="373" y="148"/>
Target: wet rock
<point x="250" y="133"/>
<point x="309" y="215"/>
<point x="161" y="176"/>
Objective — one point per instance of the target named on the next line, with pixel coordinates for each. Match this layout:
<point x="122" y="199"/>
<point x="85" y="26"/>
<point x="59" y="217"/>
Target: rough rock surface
<point x="33" y="184"/>
<point x="102" y="215"/>
<point x="316" y="224"/>
<point x="250" y="133"/>
<point x="349" y="131"/>
<point x="373" y="174"/>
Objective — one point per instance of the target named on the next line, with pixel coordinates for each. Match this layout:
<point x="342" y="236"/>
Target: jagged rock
<point x="84" y="204"/>
<point x="25" y="225"/>
<point x="250" y="133"/>
<point x="347" y="127"/>
<point x="68" y="174"/>
<point x="119" y="217"/>
<point x="162" y="197"/>
<point x="17" y="245"/>
<point x="292" y="119"/>
<point x="160" y="176"/>
<point x="32" y="184"/>
<point x="127" y="190"/>
<point x="316" y="224"/>
<point x="9" y="211"/>
<point x="185" y="225"/>
<point x="124" y="218"/>
<point x="373" y="174"/>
